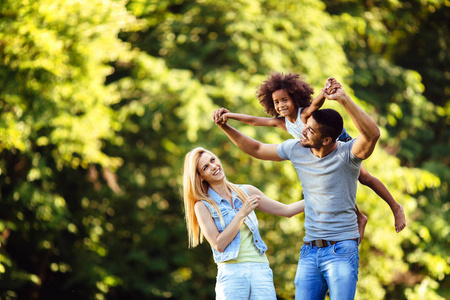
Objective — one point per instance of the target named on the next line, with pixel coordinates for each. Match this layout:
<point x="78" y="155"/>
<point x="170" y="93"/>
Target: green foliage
<point x="398" y="51"/>
<point x="246" y="38"/>
<point x="101" y="100"/>
<point x="55" y="113"/>
<point x="54" y="62"/>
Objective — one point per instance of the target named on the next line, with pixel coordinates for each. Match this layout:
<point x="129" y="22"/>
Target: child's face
<point x="283" y="103"/>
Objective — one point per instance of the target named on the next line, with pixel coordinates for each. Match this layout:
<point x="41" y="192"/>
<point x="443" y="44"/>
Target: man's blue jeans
<point x="333" y="268"/>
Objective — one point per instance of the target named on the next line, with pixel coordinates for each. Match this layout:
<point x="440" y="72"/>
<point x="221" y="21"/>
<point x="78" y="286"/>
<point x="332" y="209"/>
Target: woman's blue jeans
<point x="243" y="281"/>
<point x="333" y="268"/>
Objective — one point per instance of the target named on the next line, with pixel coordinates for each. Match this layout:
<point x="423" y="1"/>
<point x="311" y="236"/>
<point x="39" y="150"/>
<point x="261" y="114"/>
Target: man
<point x="328" y="171"/>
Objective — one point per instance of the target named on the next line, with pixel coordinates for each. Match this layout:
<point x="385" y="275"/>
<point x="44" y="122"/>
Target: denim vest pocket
<point x="228" y="214"/>
<point x="225" y="216"/>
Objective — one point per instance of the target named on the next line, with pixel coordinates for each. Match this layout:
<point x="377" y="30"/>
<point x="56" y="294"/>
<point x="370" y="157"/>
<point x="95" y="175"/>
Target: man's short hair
<point x="330" y="122"/>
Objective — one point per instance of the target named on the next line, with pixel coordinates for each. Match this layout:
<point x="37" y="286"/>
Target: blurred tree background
<point x="101" y="100"/>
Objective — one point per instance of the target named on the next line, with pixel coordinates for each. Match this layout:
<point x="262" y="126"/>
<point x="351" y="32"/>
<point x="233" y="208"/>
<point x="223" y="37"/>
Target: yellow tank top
<point x="247" y="249"/>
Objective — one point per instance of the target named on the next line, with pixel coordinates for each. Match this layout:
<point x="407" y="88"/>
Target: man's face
<point x="311" y="135"/>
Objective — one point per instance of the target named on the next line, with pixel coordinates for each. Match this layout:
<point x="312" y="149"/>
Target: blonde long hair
<point x="194" y="190"/>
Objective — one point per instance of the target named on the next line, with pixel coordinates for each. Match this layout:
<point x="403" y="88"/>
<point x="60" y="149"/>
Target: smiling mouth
<point x="217" y="172"/>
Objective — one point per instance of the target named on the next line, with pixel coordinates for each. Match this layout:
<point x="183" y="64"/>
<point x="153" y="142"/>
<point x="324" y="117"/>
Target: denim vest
<point x="228" y="213"/>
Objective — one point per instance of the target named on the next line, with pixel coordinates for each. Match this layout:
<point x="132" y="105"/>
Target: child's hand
<point x="338" y="94"/>
<point x="223" y="118"/>
<point x="217" y="116"/>
<point x="331" y="86"/>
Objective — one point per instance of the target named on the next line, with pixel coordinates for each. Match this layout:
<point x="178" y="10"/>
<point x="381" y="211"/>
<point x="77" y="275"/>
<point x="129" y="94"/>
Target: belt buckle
<point x="318" y="243"/>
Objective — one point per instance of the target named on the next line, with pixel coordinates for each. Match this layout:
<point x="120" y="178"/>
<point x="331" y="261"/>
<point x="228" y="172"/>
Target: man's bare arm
<point x="251" y="146"/>
<point x="369" y="132"/>
<point x="244" y="142"/>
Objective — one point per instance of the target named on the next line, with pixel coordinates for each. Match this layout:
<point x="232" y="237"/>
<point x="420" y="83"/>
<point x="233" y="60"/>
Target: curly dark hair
<point x="330" y="122"/>
<point x="299" y="91"/>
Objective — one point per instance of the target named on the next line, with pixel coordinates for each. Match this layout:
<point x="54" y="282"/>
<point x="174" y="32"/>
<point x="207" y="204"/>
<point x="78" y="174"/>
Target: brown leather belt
<point x="324" y="243"/>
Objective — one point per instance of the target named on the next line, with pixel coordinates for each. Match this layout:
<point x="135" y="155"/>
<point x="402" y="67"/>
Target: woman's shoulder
<point x="249" y="189"/>
<point x="200" y="203"/>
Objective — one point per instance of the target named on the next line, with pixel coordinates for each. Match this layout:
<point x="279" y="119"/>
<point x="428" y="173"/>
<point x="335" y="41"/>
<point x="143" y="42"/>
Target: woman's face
<point x="210" y="169"/>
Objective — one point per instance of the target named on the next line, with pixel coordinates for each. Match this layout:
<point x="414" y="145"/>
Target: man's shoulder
<point x="345" y="151"/>
<point x="345" y="146"/>
<point x="289" y="148"/>
<point x="290" y="144"/>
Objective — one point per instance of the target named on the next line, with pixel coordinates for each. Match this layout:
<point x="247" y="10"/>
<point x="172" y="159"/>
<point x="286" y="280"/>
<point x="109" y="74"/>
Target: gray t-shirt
<point x="329" y="187"/>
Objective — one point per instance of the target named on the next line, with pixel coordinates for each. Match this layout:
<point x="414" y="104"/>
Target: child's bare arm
<point x="315" y="105"/>
<point x="255" y="121"/>
<point x="331" y="85"/>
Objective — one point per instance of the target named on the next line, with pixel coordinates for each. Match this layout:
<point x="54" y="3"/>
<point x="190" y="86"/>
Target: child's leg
<point x="378" y="187"/>
<point x="362" y="222"/>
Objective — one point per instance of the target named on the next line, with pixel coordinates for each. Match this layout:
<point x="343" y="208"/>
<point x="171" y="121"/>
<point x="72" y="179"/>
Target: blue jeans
<point x="333" y="268"/>
<point x="344" y="136"/>
<point x="251" y="280"/>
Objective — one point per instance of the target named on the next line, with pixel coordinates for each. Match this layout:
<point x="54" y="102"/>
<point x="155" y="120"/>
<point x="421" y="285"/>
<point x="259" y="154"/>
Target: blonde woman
<point x="223" y="213"/>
